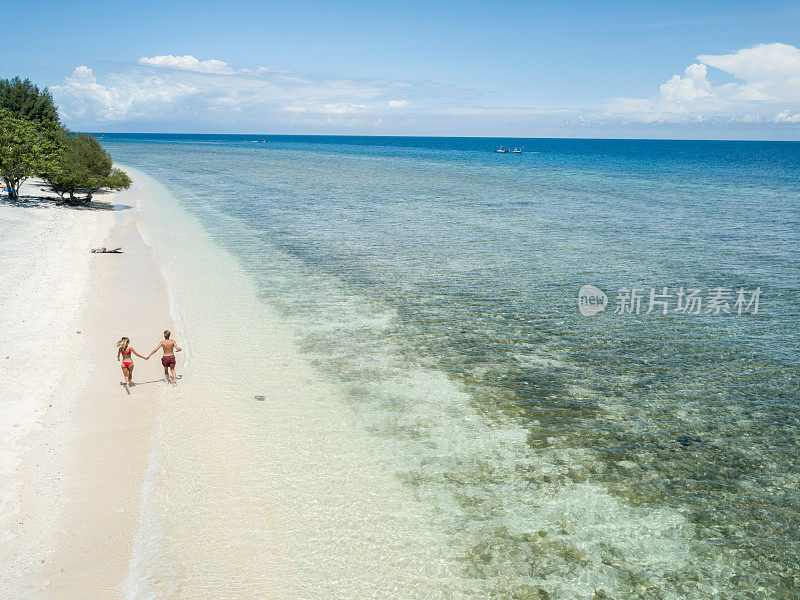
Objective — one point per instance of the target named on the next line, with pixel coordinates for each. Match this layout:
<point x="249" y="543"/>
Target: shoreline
<point x="263" y="483"/>
<point x="81" y="454"/>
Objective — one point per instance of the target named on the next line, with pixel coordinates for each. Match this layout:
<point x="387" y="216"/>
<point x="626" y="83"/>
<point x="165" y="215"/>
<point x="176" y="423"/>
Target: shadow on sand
<point x="137" y="383"/>
<point x="29" y="201"/>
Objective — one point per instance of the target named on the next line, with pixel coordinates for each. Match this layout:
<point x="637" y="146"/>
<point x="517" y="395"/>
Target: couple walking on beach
<point x="168" y="347"/>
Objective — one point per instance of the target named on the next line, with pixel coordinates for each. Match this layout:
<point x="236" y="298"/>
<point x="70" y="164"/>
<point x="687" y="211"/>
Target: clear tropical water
<point x="432" y="285"/>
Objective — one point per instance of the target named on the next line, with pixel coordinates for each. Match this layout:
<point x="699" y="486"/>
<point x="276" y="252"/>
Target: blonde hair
<point x="167" y="334"/>
<point x="122" y="344"/>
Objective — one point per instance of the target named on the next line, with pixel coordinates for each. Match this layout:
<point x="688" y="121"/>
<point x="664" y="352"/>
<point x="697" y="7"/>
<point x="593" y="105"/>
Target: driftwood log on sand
<point x="105" y="250"/>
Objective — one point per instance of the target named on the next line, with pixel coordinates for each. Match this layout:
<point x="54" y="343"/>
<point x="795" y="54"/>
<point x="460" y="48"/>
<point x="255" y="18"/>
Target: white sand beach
<point x="73" y="444"/>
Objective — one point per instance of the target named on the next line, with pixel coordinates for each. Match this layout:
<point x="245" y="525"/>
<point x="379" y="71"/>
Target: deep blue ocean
<point x="659" y="439"/>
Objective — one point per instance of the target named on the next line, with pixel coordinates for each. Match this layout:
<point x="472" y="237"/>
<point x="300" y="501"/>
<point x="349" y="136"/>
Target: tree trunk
<point x="13" y="188"/>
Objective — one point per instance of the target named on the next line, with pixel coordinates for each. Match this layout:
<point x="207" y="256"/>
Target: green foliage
<point x="26" y="101"/>
<point x="118" y="180"/>
<point x="32" y="142"/>
<point x="83" y="167"/>
<point x="27" y="148"/>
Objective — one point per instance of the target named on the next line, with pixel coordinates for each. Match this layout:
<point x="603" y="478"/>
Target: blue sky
<point x="578" y="69"/>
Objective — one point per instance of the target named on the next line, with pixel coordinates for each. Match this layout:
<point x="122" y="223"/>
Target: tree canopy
<point x="33" y="143"/>
<point x="28" y="126"/>
<point x="26" y="149"/>
<point x="83" y="166"/>
<point x="25" y="100"/>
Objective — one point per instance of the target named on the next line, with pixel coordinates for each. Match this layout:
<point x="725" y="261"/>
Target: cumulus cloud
<point x="786" y="117"/>
<point x="691" y="86"/>
<point x="765" y="87"/>
<point x="772" y="66"/>
<point x="186" y="63"/>
<point x="85" y="97"/>
<point x="211" y="95"/>
<point x="167" y="87"/>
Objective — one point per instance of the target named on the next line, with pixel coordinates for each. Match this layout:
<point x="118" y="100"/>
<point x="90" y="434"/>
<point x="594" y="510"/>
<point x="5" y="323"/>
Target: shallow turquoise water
<point x="634" y="456"/>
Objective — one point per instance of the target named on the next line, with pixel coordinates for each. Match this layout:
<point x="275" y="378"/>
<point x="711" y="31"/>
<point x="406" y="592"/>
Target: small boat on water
<point x="504" y="150"/>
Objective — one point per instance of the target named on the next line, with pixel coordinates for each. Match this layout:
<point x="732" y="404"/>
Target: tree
<point x="26" y="149"/>
<point x="25" y="100"/>
<point x="83" y="167"/>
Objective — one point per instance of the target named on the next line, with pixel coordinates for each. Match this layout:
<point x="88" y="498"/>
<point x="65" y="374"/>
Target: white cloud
<point x="767" y="80"/>
<point x="186" y="63"/>
<point x="787" y="117"/>
<point x="329" y="109"/>
<point x="764" y="63"/>
<point x="691" y="86"/>
<point x="758" y="87"/>
<point x="85" y="97"/>
<point x="211" y="95"/>
<point x="169" y="87"/>
<point x="82" y="85"/>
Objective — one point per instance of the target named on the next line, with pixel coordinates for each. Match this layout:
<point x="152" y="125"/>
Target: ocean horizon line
<point x="439" y="137"/>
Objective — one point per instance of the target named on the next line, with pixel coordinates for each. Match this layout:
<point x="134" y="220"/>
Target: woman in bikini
<point x="124" y="351"/>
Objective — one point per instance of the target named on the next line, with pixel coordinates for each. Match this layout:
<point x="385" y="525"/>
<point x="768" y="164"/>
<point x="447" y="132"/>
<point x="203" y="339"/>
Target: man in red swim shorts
<point x="169" y="347"/>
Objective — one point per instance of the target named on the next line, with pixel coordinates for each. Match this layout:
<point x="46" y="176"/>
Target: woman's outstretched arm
<point x="139" y="355"/>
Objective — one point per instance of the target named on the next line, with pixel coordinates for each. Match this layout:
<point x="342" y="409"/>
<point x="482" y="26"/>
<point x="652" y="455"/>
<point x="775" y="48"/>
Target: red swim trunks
<point x="168" y="361"/>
